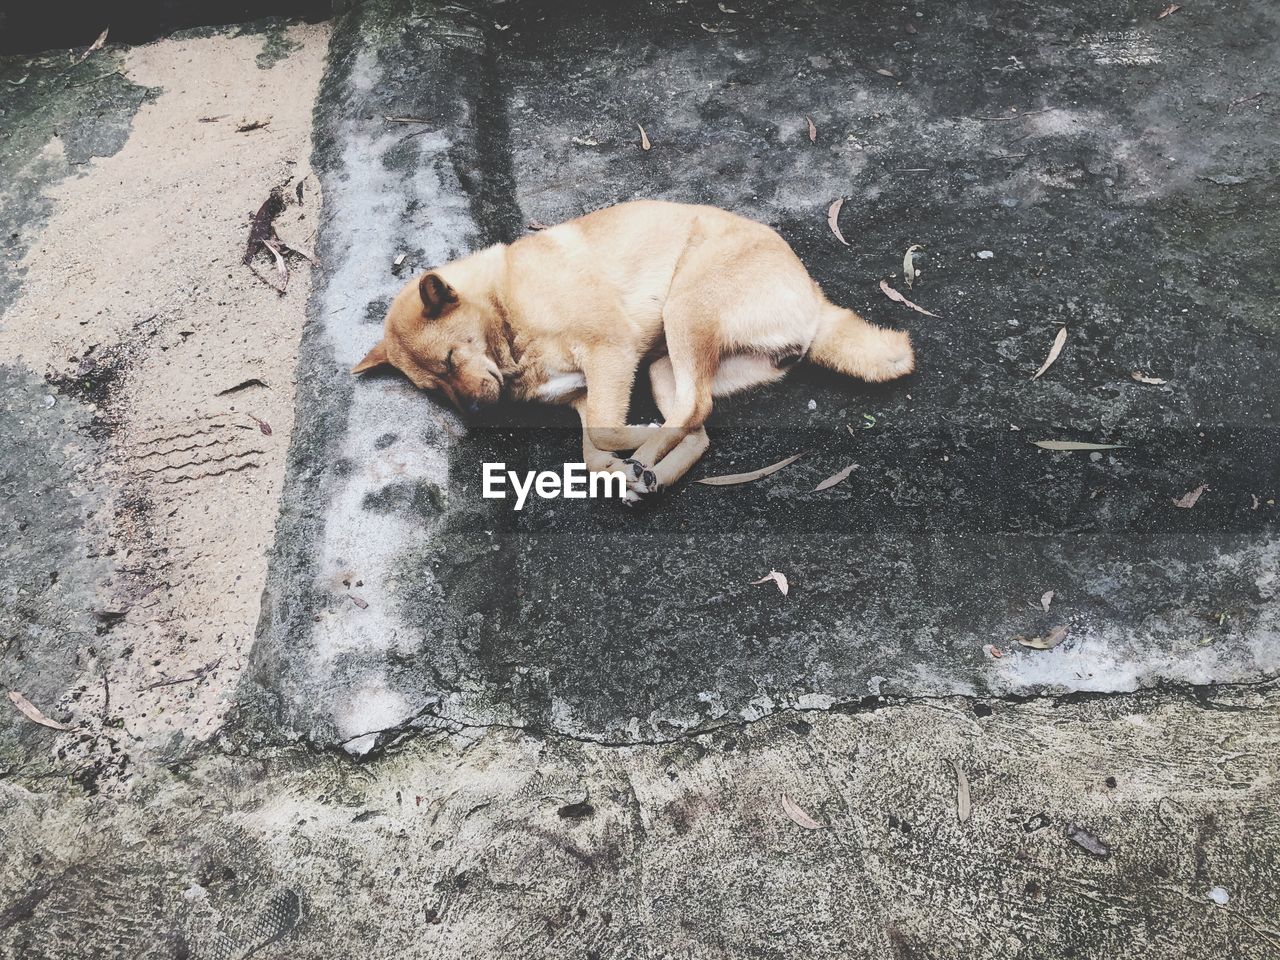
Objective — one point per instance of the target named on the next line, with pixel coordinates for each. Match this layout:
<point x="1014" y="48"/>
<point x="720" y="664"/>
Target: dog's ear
<point x="374" y="358"/>
<point x="437" y="295"/>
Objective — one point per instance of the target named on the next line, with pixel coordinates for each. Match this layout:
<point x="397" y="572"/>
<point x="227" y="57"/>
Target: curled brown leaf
<point x="897" y="297"/>
<point x="96" y="45"/>
<point x="1050" y="640"/>
<point x="779" y="578"/>
<point x="732" y="479"/>
<point x="832" y="480"/>
<point x="962" y="793"/>
<point x="833" y="219"/>
<point x="1188" y="500"/>
<point x="796" y="814"/>
<point x="1058" y="343"/>
<point x="30" y="710"/>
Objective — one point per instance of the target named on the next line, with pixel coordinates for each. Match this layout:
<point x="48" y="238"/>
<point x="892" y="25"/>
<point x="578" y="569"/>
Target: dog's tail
<point x="850" y="345"/>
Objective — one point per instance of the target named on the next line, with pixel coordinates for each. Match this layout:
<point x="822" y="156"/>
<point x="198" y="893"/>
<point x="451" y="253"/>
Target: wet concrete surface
<point x="1093" y="152"/>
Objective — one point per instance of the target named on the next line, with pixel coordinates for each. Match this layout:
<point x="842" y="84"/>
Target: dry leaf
<point x="995" y="651"/>
<point x="262" y="425"/>
<point x="1086" y="840"/>
<point x="779" y="578"/>
<point x="833" y="217"/>
<point x="813" y="131"/>
<point x="644" y="138"/>
<point x="360" y="602"/>
<point x="724" y="9"/>
<point x="710" y="29"/>
<point x="896" y="297"/>
<point x="254" y="125"/>
<point x="831" y="481"/>
<point x="1188" y="500"/>
<point x="731" y="479"/>
<point x="1171" y="8"/>
<point x="886" y="73"/>
<point x="1048" y="641"/>
<point x="29" y="710"/>
<point x="281" y="268"/>
<point x="96" y="45"/>
<point x="1256" y="502"/>
<point x="798" y="816"/>
<point x="1046" y="598"/>
<point x="537" y="225"/>
<point x="1143" y="378"/>
<point x="908" y="264"/>
<point x="1058" y="343"/>
<point x="962" y="793"/>
<point x="1075" y="445"/>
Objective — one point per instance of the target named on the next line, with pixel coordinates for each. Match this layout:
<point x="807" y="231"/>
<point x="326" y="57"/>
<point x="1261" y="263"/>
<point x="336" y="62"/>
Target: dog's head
<point x="438" y="337"/>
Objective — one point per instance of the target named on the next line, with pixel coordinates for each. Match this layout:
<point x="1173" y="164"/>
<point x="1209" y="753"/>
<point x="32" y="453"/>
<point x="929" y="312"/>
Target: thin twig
<point x="1018" y="116"/>
<point x="198" y="674"/>
<point x="406" y="120"/>
<point x="1239" y="100"/>
<point x="254" y="271"/>
<point x="85" y="83"/>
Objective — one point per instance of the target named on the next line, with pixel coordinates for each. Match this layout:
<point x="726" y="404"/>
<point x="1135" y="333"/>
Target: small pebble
<point x="985" y="254"/>
<point x="48" y="401"/>
<point x="813" y="404"/>
<point x="1095" y="456"/>
<point x="1219" y="896"/>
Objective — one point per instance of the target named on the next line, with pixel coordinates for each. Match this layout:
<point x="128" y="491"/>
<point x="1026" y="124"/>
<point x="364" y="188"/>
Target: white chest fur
<point x="561" y="385"/>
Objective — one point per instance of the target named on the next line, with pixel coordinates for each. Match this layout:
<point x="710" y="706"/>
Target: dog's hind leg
<point x="683" y="455"/>
<point x="850" y="345"/>
<point x="736" y="373"/>
<point x="693" y="353"/>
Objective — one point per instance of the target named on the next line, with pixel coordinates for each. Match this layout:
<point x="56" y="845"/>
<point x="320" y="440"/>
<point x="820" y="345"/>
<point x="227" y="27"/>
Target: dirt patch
<point x="136" y="303"/>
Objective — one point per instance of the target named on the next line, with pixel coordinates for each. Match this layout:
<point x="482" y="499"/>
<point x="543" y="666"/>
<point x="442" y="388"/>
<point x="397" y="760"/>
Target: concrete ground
<point x="323" y="700"/>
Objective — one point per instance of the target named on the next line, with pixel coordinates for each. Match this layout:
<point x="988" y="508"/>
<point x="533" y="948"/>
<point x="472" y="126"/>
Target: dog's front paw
<point x="641" y="481"/>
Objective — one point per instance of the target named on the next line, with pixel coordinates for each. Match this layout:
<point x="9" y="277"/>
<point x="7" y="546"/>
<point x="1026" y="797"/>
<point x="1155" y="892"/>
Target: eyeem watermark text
<point x="574" y="482"/>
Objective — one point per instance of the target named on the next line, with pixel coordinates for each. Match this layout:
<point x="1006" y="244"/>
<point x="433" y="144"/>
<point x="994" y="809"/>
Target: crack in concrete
<point x="390" y="737"/>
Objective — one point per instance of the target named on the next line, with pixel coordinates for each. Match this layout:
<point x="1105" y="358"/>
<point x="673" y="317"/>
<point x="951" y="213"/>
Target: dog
<point x="714" y="302"/>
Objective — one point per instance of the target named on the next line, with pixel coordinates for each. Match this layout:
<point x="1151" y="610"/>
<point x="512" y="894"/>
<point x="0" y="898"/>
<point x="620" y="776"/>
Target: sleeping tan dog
<point x="715" y="302"/>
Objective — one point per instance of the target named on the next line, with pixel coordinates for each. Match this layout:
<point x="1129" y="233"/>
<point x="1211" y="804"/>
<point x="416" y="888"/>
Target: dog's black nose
<point x="473" y="407"/>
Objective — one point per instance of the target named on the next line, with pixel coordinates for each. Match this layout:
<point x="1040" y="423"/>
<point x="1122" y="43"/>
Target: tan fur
<point x="568" y="315"/>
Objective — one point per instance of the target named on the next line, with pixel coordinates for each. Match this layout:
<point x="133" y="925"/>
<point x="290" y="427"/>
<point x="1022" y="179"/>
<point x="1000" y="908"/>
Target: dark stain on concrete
<point x="53" y="106"/>
<point x="414" y="498"/>
<point x="604" y="622"/>
<point x="47" y="573"/>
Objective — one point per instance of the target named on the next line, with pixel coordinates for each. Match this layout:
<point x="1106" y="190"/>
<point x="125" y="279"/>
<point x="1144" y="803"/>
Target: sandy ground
<point x="141" y="260"/>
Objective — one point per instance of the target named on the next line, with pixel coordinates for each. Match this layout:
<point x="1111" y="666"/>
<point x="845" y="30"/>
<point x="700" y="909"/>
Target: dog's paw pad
<point x="635" y="468"/>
